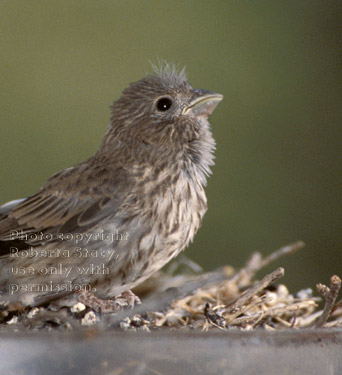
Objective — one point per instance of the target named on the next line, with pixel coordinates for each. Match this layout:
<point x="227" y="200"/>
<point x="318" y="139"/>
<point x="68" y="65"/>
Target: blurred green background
<point x="278" y="175"/>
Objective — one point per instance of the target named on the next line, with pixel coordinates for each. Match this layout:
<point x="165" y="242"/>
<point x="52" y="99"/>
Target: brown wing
<point x="63" y="206"/>
<point x="39" y="212"/>
<point x="50" y="215"/>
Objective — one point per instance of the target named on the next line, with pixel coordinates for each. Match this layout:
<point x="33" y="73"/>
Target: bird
<point x="105" y="225"/>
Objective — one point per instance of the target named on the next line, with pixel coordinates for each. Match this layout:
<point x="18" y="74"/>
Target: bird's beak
<point x="202" y="103"/>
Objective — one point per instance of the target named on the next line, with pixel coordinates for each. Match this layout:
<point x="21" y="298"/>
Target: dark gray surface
<point x="121" y="353"/>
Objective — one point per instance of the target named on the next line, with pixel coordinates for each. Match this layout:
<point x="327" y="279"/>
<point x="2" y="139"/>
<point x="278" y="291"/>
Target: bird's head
<point x="161" y="115"/>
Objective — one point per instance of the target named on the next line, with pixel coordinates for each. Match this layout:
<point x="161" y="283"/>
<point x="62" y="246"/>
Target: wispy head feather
<point x="169" y="72"/>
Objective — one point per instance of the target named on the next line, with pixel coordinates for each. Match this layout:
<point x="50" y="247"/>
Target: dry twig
<point x="256" y="262"/>
<point x="251" y="292"/>
<point x="329" y="295"/>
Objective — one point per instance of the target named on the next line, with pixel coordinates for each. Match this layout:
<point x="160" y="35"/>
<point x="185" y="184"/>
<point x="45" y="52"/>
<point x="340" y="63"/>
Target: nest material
<point x="219" y="300"/>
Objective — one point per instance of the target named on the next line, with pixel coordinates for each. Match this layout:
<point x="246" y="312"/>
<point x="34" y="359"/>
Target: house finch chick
<point x="105" y="225"/>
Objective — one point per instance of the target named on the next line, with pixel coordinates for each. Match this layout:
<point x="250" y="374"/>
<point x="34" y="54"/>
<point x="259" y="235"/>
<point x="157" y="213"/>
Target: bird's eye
<point x="163" y="104"/>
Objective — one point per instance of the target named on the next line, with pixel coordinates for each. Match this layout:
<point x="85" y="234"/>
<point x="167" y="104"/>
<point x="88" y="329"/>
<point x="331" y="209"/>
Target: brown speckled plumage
<point x="146" y="181"/>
